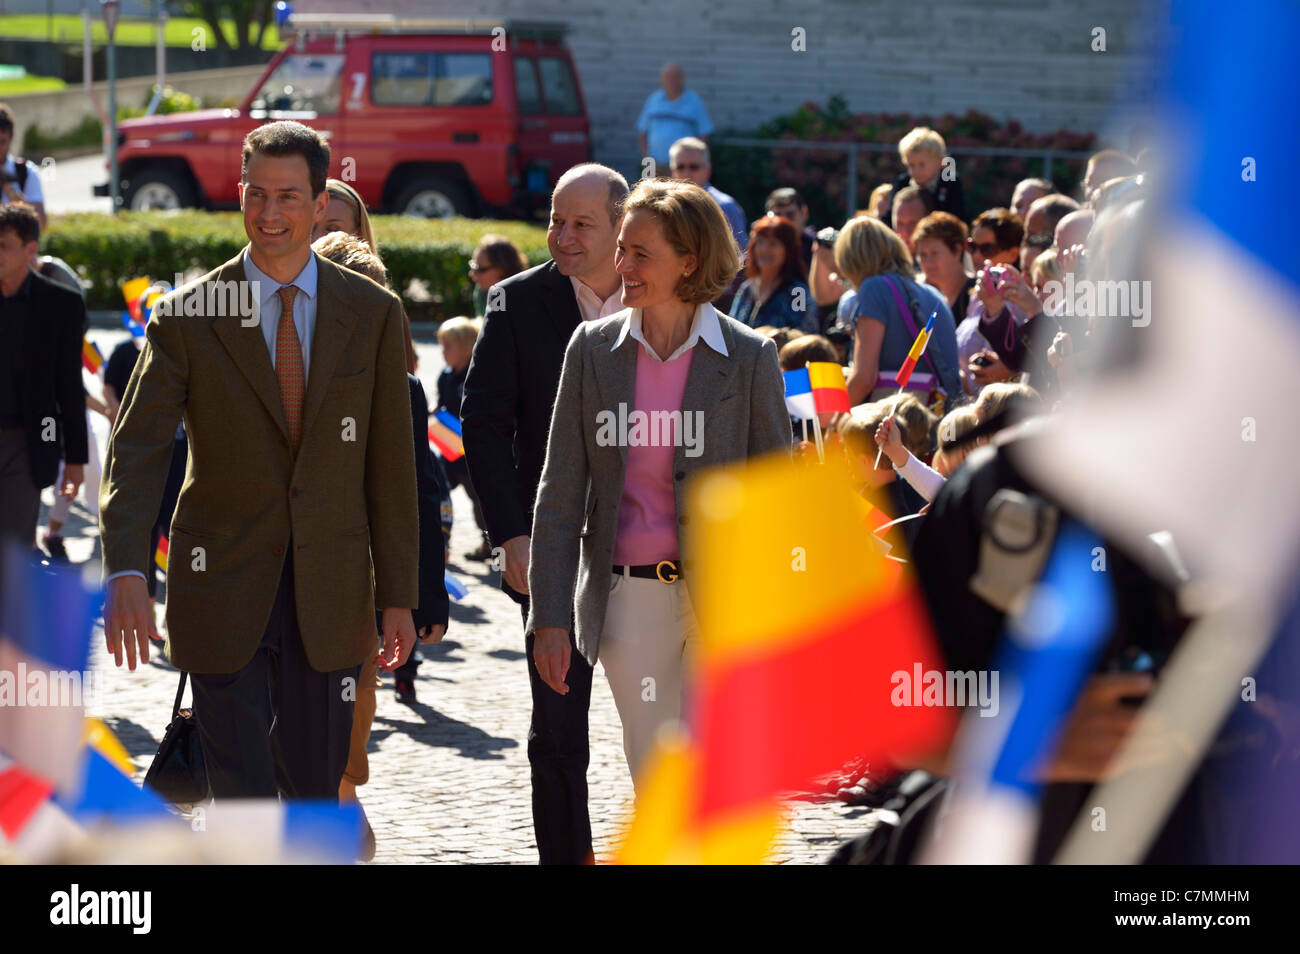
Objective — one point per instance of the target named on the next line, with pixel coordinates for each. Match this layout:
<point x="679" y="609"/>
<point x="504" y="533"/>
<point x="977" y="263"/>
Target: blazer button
<point x="680" y="475"/>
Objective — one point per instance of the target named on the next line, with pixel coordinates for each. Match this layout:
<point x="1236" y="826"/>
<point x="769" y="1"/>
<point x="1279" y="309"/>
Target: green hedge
<point x="426" y="258"/>
<point x="821" y="175"/>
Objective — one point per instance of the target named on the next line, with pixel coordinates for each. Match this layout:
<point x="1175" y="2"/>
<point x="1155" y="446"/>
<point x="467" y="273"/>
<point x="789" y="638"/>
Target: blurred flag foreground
<point x="66" y="789"/>
<point x="805" y="628"/>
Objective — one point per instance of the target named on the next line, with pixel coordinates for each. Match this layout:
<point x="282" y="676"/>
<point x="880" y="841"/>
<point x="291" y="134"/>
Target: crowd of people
<point x="657" y="298"/>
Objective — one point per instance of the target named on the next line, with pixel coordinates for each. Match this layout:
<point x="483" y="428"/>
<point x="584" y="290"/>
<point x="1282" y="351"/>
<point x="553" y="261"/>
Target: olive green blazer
<point x="346" y="503"/>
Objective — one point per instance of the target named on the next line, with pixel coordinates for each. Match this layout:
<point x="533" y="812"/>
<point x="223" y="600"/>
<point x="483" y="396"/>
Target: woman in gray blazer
<point x="648" y="397"/>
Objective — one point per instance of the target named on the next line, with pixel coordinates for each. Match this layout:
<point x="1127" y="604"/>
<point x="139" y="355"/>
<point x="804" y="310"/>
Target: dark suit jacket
<point x="509" y="392"/>
<point x="346" y="501"/>
<point x="51" y="391"/>
<point x="433" y="607"/>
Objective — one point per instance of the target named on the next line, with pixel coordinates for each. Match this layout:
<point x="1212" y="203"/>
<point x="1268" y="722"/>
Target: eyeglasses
<point x="1039" y="240"/>
<point x="985" y="249"/>
<point x="476" y="268"/>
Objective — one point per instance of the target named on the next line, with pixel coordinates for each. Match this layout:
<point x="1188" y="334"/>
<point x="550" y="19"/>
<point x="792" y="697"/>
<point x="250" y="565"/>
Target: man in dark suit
<point x="301" y="477"/>
<point x="505" y="419"/>
<point x="42" y="401"/>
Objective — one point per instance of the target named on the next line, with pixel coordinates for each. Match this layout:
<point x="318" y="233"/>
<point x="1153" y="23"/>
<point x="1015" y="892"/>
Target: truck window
<point x="431" y="79"/>
<point x="527" y="92"/>
<point x="559" y="87"/>
<point x="302" y="87"/>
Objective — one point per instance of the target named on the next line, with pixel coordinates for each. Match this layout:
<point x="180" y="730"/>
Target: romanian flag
<point x="801" y="646"/>
<point x="91" y="356"/>
<point x="131" y="292"/>
<point x="444" y="434"/>
<point x="817" y="388"/>
<point x="918" y="349"/>
<point x="160" y="555"/>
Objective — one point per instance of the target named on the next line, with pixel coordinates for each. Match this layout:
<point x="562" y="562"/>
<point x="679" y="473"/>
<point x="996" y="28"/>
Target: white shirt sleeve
<point x="925" y="480"/>
<point x="33" y="192"/>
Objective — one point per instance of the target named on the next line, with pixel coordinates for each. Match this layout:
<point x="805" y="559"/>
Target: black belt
<point x="665" y="571"/>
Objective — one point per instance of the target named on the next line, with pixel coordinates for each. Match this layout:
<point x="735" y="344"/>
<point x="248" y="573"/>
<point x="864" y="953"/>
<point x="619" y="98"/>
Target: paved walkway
<point x="449" y="776"/>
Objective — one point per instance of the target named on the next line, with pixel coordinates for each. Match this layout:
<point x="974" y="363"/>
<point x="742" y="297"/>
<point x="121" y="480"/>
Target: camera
<point x="827" y="236"/>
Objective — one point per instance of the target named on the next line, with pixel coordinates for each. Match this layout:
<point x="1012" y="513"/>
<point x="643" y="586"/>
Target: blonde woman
<point x="606" y="542"/>
<point x="889" y="310"/>
<point x="346" y="212"/>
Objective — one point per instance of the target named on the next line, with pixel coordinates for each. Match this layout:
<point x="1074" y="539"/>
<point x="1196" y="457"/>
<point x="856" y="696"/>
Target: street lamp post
<point x="110" y="9"/>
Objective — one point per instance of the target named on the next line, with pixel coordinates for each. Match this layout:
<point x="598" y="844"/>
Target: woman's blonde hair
<point x="339" y="189"/>
<point x="995" y="397"/>
<point x="1046" y="268"/>
<point x="955" y="425"/>
<point x="693" y="224"/>
<point x="866" y="247"/>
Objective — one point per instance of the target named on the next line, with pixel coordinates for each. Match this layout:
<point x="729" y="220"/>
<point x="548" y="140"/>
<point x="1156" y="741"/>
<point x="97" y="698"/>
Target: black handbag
<point x="177" y="772"/>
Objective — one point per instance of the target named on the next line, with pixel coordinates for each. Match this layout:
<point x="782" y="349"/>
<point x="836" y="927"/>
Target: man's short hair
<point x="914" y="193"/>
<point x="20" y="218"/>
<point x="290" y="138"/>
<point x="618" y="187"/>
<point x="6" y="119"/>
<point x="922" y="139"/>
<point x="351" y="253"/>
<point x="1047" y="185"/>
<point x="784" y="196"/>
<point x="1056" y="207"/>
<point x="689" y="142"/>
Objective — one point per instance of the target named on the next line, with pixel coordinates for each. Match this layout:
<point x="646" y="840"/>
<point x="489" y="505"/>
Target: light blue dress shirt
<point x="304" y="306"/>
<point x="664" y="121"/>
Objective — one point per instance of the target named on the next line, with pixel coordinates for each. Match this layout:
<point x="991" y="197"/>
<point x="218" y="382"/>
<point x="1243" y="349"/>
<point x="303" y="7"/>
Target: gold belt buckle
<point x="659" y="571"/>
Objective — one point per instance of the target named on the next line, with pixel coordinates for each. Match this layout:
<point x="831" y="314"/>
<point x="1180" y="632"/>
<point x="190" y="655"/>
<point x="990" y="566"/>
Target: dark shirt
<point x="120" y="364"/>
<point x="451" y="388"/>
<point x="14" y="312"/>
<point x="790" y="306"/>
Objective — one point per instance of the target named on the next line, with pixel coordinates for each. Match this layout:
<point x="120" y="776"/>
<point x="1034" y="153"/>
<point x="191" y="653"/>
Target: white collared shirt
<point x="590" y="305"/>
<point x="705" y="326"/>
<point x="304" y="306"/>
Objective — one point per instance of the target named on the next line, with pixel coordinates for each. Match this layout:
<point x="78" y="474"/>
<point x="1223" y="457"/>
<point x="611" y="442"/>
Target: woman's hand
<point x="988" y="373"/>
<point x="992" y="300"/>
<point x="1016" y="290"/>
<point x="551" y="653"/>
<point x="887" y="437"/>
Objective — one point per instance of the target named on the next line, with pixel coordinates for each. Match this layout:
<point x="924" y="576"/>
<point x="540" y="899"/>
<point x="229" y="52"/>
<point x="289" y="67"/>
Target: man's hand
<point x="516" y="562"/>
<point x="129" y="620"/>
<point x="1098" y="727"/>
<point x="551" y="653"/>
<point x="432" y="634"/>
<point x="399" y="638"/>
<point x="73" y="475"/>
<point x="984" y="374"/>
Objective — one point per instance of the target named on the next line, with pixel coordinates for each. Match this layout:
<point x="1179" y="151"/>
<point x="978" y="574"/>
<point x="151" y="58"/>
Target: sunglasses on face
<point x="985" y="249"/>
<point x="1039" y="240"/>
<point x="476" y="268"/>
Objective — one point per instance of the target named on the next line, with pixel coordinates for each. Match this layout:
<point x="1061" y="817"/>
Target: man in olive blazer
<point x="292" y="491"/>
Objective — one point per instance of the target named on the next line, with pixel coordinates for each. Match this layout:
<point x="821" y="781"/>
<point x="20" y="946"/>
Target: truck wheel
<point x="159" y="189"/>
<point x="433" y="198"/>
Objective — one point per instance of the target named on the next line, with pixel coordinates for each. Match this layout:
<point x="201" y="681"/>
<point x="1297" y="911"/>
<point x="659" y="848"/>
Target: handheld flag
<point x="817" y="388"/>
<point x="91" y="357"/>
<point x="444" y="434"/>
<point x="160" y="555"/>
<point x="455" y="588"/>
<point x="918" y="349"/>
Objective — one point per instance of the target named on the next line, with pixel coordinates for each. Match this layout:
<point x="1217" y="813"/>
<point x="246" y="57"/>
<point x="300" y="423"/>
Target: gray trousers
<point x="20" y="498"/>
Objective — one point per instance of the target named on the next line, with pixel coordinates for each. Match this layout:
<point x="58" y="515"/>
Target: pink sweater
<point x="647" y="511"/>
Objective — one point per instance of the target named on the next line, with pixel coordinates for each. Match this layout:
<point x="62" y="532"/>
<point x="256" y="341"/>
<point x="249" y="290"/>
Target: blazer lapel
<point x="334" y="320"/>
<point x="706" y="383"/>
<point x="616" y="374"/>
<point x="247" y="348"/>
<point x="561" y="304"/>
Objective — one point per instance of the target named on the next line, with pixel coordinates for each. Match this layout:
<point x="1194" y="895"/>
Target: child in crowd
<point x="923" y="151"/>
<point x="926" y="480"/>
<point x="456" y="337"/>
<point x="857" y="431"/>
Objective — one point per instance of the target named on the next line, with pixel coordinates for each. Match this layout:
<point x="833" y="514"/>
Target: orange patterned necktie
<point x="288" y="366"/>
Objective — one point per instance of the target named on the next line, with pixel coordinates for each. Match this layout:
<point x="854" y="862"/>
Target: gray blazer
<point x="742" y="397"/>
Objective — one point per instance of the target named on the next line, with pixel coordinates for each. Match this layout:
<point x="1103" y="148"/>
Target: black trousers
<point x="558" y="752"/>
<point x="277" y="726"/>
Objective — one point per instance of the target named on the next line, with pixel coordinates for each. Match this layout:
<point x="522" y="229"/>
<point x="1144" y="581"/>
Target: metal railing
<point x="1048" y="156"/>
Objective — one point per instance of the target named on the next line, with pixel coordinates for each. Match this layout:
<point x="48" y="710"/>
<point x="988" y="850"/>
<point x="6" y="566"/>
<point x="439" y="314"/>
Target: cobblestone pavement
<point x="449" y="778"/>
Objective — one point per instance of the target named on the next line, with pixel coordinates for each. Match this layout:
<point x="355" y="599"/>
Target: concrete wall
<point x="65" y="109"/>
<point x="1029" y="60"/>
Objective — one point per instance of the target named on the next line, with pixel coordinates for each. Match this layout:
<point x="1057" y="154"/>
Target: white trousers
<point x="649" y="630"/>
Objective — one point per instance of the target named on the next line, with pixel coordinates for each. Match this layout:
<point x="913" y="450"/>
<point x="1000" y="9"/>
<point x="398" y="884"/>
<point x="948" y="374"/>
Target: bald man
<point x="670" y="113"/>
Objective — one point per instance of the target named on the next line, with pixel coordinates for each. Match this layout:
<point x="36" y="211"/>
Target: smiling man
<point x="301" y="475"/>
<point x="506" y="419"/>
